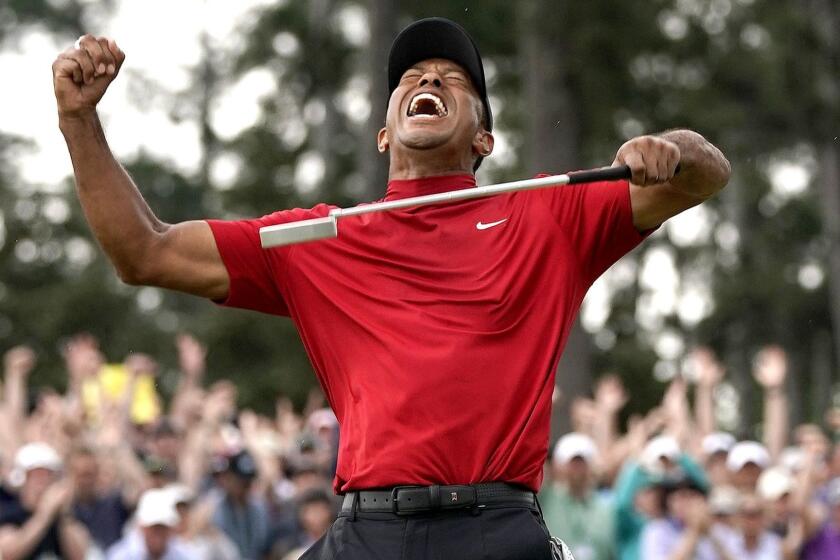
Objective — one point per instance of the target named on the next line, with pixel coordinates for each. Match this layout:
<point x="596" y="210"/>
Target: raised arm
<point x="770" y="371"/>
<point x="656" y="192"/>
<point x="709" y="374"/>
<point x="143" y="249"/>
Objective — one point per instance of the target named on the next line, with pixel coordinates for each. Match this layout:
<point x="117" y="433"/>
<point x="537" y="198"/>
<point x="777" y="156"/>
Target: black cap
<point x="438" y="38"/>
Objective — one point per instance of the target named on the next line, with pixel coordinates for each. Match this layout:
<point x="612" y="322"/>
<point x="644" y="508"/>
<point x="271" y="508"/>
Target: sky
<point x="161" y="42"/>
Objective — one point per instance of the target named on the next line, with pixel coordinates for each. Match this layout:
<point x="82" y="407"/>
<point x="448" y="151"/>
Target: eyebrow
<point x="448" y="67"/>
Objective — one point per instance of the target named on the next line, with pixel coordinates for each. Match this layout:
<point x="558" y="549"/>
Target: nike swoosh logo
<point x="480" y="225"/>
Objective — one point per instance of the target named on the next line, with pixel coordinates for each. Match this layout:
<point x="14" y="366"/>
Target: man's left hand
<point x="652" y="160"/>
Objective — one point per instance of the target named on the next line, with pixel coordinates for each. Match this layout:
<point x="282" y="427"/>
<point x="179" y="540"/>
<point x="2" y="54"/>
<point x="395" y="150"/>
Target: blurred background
<point x="236" y="109"/>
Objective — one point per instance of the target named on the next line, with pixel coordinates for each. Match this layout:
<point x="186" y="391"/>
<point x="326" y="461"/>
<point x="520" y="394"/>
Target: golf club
<point x="327" y="227"/>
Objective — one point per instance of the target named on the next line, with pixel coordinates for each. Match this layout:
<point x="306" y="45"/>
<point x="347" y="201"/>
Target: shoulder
<point x="291" y="214"/>
<point x="226" y="226"/>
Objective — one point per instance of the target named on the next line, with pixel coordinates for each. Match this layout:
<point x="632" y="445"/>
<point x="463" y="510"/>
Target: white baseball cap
<point x="717" y="442"/>
<point x="157" y="507"/>
<point x="656" y="449"/>
<point x="747" y="452"/>
<point x="575" y="445"/>
<point x="724" y="500"/>
<point x="37" y="455"/>
<point x="774" y="483"/>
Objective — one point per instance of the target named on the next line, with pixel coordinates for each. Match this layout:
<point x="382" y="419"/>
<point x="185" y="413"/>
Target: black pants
<point x="500" y="533"/>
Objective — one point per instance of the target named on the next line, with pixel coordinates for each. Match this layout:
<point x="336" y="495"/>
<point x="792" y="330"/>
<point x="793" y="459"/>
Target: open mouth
<point x="427" y="106"/>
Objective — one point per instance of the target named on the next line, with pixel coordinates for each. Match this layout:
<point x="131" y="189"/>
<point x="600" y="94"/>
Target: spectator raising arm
<point x="770" y="371"/>
<point x="709" y="373"/>
<point x="675" y="405"/>
<point x="17" y="365"/>
<point x="217" y="408"/>
<point x="83" y="361"/>
<point x="610" y="398"/>
<point x="254" y="437"/>
<point x="113" y="444"/>
<point x="192" y="358"/>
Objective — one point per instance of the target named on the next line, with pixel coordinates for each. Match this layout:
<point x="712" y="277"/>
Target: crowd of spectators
<point x="107" y="470"/>
<point x="675" y="487"/>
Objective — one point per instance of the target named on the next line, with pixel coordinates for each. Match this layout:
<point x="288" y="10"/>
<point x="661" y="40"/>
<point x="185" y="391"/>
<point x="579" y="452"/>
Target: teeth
<point x="439" y="106"/>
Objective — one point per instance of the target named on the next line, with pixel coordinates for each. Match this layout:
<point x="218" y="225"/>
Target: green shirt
<point x="586" y="526"/>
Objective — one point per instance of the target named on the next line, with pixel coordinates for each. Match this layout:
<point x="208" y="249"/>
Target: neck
<point x="428" y="163"/>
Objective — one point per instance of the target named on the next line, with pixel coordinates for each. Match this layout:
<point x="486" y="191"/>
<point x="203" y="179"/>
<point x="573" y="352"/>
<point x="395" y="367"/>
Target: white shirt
<point x="133" y="547"/>
<point x="769" y="546"/>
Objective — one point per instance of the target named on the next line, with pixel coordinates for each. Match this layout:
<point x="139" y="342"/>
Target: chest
<point x="487" y="250"/>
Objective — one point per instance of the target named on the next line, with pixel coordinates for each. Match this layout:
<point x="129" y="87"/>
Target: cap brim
<point x="437" y="38"/>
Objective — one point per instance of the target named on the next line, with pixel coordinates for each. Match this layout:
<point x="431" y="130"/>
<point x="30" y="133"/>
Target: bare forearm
<point x="74" y="539"/>
<point x="604" y="429"/>
<point x="193" y="459"/>
<point x="775" y="421"/>
<point x="132" y="474"/>
<point x="123" y="223"/>
<point x="704" y="410"/>
<point x="20" y="542"/>
<point x="15" y="397"/>
<point x="704" y="170"/>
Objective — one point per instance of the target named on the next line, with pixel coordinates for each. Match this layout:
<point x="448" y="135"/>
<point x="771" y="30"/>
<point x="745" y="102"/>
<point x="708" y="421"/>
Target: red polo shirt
<point x="435" y="332"/>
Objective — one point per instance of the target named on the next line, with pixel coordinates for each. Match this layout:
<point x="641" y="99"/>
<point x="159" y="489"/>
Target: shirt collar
<point x="405" y="188"/>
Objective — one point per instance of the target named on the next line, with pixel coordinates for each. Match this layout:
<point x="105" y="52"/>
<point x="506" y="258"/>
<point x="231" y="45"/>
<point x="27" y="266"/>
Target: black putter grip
<point x="604" y="174"/>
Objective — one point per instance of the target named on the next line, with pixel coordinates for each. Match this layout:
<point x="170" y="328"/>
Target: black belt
<point x="404" y="500"/>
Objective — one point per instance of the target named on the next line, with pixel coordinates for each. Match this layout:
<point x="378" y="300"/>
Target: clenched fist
<point x="653" y="160"/>
<point x="19" y="361"/>
<point x="82" y="73"/>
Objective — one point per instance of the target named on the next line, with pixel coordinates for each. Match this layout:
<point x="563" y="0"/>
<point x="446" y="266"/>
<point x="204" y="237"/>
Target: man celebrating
<point x="434" y="331"/>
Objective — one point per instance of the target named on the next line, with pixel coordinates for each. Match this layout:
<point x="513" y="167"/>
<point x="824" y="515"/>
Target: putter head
<point x="298" y="232"/>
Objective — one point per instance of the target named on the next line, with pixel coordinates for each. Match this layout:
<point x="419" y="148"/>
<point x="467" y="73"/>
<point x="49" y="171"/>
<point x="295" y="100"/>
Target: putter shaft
<point x="327" y="227"/>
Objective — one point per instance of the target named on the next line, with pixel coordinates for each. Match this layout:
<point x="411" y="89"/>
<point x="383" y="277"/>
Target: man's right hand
<point x="82" y="73"/>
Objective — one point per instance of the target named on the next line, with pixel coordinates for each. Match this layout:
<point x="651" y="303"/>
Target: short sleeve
<point x="256" y="274"/>
<point x="598" y="219"/>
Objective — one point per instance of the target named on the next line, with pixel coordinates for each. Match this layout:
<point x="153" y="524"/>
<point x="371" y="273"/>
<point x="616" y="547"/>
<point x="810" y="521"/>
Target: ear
<point x="382" y="140"/>
<point x="483" y="143"/>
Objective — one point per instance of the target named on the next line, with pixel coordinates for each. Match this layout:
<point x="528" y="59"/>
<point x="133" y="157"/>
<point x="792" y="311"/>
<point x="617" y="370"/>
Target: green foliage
<point x="757" y="78"/>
